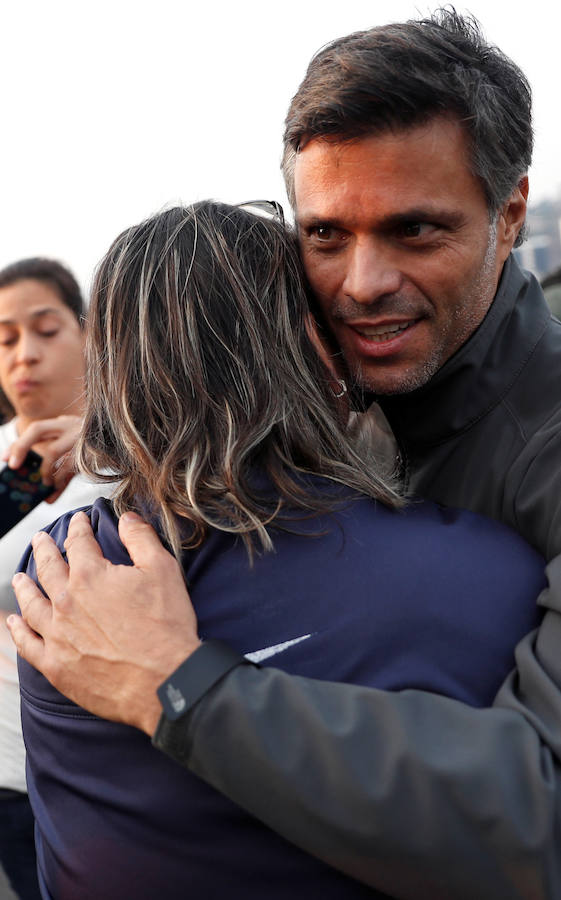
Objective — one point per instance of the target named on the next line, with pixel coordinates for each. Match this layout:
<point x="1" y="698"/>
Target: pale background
<point x="112" y="110"/>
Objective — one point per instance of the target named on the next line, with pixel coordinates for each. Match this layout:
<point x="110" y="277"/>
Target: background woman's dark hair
<point x="400" y="76"/>
<point x="201" y="372"/>
<point x="49" y="272"/>
<point x="56" y="276"/>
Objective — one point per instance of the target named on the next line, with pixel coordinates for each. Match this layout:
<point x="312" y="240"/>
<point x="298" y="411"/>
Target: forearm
<point x="412" y="793"/>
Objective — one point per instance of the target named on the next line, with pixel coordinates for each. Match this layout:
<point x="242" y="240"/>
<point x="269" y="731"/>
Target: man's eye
<point x="416" y="229"/>
<point x="327" y="237"/>
<point x="323" y="233"/>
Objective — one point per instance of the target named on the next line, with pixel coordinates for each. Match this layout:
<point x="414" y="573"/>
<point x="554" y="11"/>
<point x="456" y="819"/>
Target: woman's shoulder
<point x="473" y="538"/>
<point x="442" y="534"/>
<point x="104" y="524"/>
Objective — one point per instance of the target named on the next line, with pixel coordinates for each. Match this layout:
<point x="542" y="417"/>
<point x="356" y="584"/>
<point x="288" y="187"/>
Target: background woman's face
<point x="41" y="352"/>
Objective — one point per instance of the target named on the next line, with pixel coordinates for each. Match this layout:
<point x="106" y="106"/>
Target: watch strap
<point x="195" y="676"/>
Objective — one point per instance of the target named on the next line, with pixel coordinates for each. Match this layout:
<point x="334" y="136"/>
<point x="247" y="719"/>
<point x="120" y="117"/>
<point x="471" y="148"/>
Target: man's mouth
<point x="377" y="334"/>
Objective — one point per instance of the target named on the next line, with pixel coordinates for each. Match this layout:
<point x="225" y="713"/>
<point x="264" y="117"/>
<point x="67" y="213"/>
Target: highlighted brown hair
<point x="201" y="374"/>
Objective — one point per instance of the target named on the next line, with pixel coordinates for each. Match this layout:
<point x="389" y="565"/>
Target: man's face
<point x="399" y="249"/>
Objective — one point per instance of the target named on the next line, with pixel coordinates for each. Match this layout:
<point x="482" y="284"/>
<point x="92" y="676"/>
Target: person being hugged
<point x="208" y="400"/>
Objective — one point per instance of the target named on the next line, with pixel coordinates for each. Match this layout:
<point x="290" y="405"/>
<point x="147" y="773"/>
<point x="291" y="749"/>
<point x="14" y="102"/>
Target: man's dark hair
<point x="400" y="76"/>
<point x="49" y="272"/>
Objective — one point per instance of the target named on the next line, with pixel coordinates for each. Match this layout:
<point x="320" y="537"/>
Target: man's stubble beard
<point x="468" y="314"/>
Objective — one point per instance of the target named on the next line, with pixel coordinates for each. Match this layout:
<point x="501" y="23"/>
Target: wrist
<point x="150" y="710"/>
<point x="196" y="675"/>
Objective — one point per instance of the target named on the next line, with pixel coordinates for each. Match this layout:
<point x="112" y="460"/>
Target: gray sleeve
<point x="412" y="793"/>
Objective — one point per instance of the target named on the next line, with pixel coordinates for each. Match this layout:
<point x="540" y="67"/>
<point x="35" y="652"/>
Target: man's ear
<point x="512" y="217"/>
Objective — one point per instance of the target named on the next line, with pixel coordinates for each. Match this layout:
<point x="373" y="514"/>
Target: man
<point x="406" y="153"/>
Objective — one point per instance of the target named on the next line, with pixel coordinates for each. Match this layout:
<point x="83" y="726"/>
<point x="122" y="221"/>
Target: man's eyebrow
<point x="36" y="314"/>
<point x="315" y="221"/>
<point x="450" y="218"/>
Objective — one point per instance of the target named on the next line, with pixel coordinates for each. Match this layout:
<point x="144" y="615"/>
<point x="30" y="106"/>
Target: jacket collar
<point x="481" y="372"/>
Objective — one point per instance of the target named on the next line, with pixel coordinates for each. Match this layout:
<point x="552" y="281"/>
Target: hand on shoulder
<point x="106" y="636"/>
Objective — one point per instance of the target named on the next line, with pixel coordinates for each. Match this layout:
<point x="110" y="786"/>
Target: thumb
<point x="143" y="544"/>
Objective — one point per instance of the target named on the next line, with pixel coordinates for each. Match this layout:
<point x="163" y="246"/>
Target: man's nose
<point x="372" y="272"/>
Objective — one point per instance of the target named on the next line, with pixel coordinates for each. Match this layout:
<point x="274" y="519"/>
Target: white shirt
<point x="79" y="492"/>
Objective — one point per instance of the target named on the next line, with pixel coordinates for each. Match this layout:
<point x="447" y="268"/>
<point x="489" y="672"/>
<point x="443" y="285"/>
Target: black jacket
<point x="413" y="793"/>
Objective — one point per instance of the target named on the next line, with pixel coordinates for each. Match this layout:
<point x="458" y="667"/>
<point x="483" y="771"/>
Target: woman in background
<point x="206" y="396"/>
<point x="41" y="375"/>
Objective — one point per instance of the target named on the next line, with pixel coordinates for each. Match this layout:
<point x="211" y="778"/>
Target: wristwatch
<point x="195" y="676"/>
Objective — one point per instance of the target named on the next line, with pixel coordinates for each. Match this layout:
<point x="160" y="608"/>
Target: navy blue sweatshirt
<point x="426" y="598"/>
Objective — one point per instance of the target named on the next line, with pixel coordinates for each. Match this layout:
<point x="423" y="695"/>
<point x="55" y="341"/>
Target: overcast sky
<point x="111" y="110"/>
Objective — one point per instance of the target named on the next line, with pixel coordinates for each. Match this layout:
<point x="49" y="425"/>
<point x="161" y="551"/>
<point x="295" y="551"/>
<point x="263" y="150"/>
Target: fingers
<point x="59" y="435"/>
<point x="142" y="542"/>
<point x="57" y="450"/>
<point x="29" y="645"/>
<point x="57" y="467"/>
<point x="81" y="547"/>
<point x="16" y="454"/>
<point x="33" y="434"/>
<point x="35" y="608"/>
<point x="52" y="570"/>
